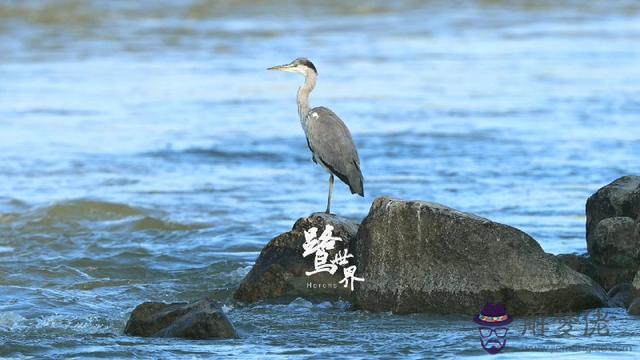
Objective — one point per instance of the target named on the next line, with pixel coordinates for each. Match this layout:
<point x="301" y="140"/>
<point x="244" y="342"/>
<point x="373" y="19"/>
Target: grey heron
<point x="328" y="137"/>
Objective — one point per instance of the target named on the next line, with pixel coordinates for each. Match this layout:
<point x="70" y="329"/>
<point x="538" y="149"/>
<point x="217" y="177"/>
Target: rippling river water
<point x="146" y="154"/>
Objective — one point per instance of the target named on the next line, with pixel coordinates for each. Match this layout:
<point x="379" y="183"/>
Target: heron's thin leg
<point x="330" y="191"/>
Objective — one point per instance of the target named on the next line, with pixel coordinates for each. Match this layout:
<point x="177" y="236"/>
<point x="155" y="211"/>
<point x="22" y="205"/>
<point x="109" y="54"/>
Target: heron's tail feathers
<point x="352" y="177"/>
<point x="357" y="187"/>
<point x="356" y="181"/>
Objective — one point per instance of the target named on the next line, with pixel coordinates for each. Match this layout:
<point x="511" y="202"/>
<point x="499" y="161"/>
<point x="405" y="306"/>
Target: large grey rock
<point x="606" y="276"/>
<point x="424" y="257"/>
<point x="279" y="271"/>
<point x="612" y="216"/>
<point x="200" y="320"/>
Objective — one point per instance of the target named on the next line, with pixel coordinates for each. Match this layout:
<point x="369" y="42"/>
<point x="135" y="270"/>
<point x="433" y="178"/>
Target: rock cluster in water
<point x="423" y="257"/>
<point x="613" y="225"/>
<point x="613" y="241"/>
<point x="613" y="234"/>
<point x="417" y="256"/>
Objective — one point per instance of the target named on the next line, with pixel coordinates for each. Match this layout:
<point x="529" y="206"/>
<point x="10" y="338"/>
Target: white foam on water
<point x="240" y="272"/>
<point x="88" y="325"/>
<point x="300" y="304"/>
<point x="11" y="320"/>
<point x="6" y="249"/>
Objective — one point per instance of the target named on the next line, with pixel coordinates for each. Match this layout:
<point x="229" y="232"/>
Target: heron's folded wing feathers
<point x="331" y="142"/>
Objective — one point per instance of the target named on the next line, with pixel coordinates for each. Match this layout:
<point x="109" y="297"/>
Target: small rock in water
<point x="203" y="319"/>
<point x="606" y="276"/>
<point x="634" y="308"/>
<point x="622" y="295"/>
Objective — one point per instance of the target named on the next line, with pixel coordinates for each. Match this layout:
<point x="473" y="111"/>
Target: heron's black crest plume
<point x="307" y="63"/>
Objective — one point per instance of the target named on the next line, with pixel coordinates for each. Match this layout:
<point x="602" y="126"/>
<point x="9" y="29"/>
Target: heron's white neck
<point x="303" y="96"/>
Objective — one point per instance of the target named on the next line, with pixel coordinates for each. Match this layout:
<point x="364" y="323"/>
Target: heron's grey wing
<point x="330" y="141"/>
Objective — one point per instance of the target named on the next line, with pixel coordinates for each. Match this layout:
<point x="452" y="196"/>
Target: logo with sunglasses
<point x="493" y="321"/>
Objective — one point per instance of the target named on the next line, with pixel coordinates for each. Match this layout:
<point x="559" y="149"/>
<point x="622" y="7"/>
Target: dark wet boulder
<point x="613" y="234"/>
<point x="280" y="270"/>
<point x="622" y="295"/>
<point x="613" y="231"/>
<point x="606" y="276"/>
<point x="616" y="242"/>
<point x="423" y="257"/>
<point x="634" y="308"/>
<point x="200" y="320"/>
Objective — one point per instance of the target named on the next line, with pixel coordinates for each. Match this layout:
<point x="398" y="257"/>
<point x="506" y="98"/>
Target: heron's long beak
<point x="287" y="67"/>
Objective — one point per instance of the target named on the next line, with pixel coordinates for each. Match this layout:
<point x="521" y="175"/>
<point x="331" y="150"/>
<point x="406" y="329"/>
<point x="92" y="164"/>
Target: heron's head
<point x="300" y="65"/>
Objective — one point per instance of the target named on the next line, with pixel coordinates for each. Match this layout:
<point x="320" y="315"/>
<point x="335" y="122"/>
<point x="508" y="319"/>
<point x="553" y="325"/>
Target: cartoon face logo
<point x="493" y="321"/>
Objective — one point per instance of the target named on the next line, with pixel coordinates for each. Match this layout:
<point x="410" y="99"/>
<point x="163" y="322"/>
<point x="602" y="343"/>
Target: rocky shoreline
<point x="417" y="256"/>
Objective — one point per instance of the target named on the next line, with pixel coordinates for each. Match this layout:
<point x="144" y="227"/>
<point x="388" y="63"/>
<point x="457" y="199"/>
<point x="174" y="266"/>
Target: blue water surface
<point x="146" y="154"/>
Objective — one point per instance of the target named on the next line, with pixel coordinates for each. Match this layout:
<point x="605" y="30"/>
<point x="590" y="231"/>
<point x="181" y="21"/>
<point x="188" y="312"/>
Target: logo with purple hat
<point x="493" y="321"/>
